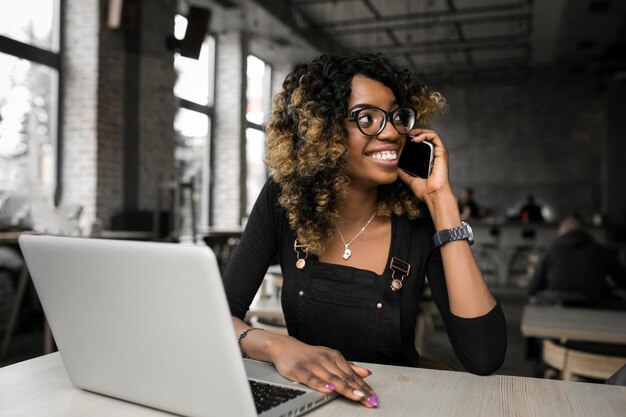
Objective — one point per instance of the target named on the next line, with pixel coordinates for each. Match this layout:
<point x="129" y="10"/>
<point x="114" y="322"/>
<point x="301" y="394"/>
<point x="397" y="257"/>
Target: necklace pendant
<point x="300" y="263"/>
<point x="347" y="253"/>
<point x="396" y="285"/>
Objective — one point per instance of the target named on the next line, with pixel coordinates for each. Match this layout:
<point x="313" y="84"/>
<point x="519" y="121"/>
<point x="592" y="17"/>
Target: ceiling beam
<point x="388" y="30"/>
<point x="461" y="47"/>
<point x="383" y="25"/>
<point x="301" y="24"/>
<point x="432" y="15"/>
<point x="476" y="43"/>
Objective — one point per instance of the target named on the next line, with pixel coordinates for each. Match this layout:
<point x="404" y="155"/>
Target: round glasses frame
<point x="354" y="115"/>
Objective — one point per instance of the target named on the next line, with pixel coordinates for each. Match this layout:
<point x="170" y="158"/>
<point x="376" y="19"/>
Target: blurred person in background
<point x="467" y="205"/>
<point x="531" y="211"/>
<point x="577" y="270"/>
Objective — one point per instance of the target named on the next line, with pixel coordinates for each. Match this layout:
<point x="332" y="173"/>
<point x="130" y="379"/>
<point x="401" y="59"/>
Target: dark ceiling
<point x="444" y="40"/>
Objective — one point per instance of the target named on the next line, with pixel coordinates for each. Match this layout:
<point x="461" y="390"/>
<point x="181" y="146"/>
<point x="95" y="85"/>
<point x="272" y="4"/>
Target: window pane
<point x="28" y="108"/>
<point x="195" y="76"/>
<point x="31" y="21"/>
<point x="255" y="166"/>
<point x="192" y="164"/>
<point x="258" y="90"/>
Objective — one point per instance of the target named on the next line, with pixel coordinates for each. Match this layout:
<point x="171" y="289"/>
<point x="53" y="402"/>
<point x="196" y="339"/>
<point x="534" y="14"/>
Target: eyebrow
<point x="367" y="105"/>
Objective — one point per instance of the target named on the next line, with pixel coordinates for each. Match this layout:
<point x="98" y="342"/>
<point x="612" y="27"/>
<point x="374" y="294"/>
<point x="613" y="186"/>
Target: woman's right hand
<point x="321" y="368"/>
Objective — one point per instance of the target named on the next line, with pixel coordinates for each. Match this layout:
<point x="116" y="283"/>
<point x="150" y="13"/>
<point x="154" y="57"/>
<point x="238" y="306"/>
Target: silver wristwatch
<point x="464" y="231"/>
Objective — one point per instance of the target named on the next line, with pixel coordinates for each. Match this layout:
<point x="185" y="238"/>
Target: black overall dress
<point x="353" y="310"/>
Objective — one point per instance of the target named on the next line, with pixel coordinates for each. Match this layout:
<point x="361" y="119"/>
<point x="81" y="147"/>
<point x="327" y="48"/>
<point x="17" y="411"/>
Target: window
<point x="258" y="101"/>
<point x="33" y="22"/>
<point x="29" y="96"/>
<point x="194" y="91"/>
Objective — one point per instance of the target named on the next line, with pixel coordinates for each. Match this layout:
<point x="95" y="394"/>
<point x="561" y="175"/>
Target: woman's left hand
<point x="439" y="180"/>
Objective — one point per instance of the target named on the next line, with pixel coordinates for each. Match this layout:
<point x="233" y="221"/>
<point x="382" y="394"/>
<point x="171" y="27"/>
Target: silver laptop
<point x="149" y="323"/>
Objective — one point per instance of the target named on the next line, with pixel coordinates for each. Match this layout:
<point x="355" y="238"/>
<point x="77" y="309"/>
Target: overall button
<point x="379" y="305"/>
<point x="300" y="293"/>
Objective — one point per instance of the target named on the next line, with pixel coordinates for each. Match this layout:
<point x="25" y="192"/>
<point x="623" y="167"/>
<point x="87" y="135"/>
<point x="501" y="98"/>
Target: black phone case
<point x="417" y="158"/>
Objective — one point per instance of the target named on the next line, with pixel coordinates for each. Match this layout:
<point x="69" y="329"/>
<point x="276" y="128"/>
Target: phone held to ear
<point x="417" y="158"/>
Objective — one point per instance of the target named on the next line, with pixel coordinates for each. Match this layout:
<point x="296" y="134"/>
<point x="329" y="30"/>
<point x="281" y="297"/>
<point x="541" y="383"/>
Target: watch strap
<point x="444" y="236"/>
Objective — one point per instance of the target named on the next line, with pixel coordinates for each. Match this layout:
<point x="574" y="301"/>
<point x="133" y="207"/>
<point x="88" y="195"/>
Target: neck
<point x="359" y="206"/>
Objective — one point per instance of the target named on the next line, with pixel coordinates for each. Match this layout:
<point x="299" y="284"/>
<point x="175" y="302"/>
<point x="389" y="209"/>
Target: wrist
<point x="444" y="209"/>
<point x="275" y="346"/>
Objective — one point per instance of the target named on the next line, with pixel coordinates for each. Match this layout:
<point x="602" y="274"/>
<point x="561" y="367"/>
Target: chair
<point x="555" y="356"/>
<point x="573" y="364"/>
<point x="618" y="378"/>
<point x="591" y="365"/>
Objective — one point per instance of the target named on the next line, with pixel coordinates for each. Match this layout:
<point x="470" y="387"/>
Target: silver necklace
<point x="347" y="253"/>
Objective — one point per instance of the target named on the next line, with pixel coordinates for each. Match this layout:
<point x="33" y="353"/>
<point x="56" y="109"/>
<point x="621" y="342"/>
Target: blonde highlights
<point x="306" y="141"/>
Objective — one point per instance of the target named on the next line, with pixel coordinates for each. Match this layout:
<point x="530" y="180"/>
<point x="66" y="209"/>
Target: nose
<point x="389" y="133"/>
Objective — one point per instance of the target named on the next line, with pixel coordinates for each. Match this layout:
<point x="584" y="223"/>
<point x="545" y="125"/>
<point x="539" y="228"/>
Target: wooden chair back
<point x="573" y="364"/>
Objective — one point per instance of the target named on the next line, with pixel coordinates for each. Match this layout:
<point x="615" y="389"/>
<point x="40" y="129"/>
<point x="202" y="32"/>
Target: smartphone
<point x="417" y="158"/>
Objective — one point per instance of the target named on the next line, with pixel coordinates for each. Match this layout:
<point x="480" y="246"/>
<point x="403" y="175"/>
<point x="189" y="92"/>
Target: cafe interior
<point x="142" y="120"/>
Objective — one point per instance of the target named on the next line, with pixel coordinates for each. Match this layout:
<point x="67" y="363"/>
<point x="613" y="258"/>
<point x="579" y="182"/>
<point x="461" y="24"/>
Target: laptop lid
<point x="145" y="322"/>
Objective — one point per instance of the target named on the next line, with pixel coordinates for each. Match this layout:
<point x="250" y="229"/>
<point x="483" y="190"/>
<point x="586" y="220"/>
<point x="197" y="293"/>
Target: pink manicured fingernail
<point x="368" y="372"/>
<point x="372" y="400"/>
<point x="329" y="387"/>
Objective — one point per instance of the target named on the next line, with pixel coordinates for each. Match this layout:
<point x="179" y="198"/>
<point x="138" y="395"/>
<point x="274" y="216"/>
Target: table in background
<point x="41" y="387"/>
<point x="575" y="324"/>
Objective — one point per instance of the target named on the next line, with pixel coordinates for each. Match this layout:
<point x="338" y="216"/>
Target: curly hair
<point x="306" y="140"/>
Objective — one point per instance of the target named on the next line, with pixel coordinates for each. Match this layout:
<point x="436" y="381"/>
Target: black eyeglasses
<point x="372" y="120"/>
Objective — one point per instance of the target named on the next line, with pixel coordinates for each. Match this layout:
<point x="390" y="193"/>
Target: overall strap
<point x="399" y="265"/>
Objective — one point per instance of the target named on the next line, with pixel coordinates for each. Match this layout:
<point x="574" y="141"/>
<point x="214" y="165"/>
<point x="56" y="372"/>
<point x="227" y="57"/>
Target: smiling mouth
<point x="384" y="156"/>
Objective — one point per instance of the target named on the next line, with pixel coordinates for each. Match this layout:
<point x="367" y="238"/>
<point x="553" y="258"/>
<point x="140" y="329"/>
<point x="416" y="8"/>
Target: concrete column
<point x="229" y="130"/>
<point x="80" y="105"/>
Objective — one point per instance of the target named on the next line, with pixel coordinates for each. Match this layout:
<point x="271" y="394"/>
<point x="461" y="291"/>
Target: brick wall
<point x="156" y="102"/>
<point x="79" y="124"/>
<point x="110" y="108"/>
<point x="228" y="129"/>
<point x="95" y="116"/>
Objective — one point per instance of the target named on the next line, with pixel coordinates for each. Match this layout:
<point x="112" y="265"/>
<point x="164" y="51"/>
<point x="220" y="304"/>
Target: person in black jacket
<point x="354" y="233"/>
<point x="577" y="270"/>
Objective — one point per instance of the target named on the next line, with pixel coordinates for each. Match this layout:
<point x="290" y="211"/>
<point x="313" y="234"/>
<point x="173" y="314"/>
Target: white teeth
<point x="385" y="155"/>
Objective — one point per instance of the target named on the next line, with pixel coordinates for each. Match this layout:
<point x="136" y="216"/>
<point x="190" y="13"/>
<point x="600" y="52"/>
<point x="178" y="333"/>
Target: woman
<point x="354" y="233"/>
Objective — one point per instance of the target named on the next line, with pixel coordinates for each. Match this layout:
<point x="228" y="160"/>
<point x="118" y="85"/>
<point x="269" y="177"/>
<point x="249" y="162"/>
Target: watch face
<point x="470" y="232"/>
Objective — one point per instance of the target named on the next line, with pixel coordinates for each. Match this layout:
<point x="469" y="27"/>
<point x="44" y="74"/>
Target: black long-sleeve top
<point x="355" y="310"/>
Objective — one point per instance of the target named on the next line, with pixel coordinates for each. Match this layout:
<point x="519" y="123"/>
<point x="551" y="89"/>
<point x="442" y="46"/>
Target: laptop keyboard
<point x="267" y="396"/>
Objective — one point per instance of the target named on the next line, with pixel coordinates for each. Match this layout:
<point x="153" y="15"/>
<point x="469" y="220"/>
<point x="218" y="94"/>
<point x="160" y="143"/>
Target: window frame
<point x="54" y="60"/>
<point x="205" y="208"/>
<point x="267" y="95"/>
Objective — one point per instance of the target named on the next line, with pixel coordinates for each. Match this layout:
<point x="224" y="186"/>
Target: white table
<point x="40" y="387"/>
<point x="577" y="324"/>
